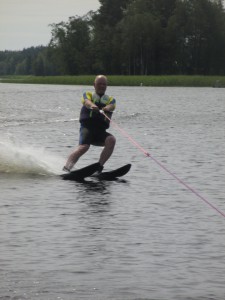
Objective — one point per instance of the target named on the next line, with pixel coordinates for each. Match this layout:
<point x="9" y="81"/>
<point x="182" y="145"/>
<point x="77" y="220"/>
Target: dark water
<point x="143" y="237"/>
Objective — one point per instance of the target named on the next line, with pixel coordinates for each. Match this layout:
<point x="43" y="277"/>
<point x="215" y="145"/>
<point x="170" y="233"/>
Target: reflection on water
<point x="96" y="195"/>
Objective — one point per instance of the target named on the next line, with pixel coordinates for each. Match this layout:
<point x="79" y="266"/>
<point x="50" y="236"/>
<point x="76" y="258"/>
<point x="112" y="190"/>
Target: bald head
<point x="100" y="77"/>
<point x="100" y="84"/>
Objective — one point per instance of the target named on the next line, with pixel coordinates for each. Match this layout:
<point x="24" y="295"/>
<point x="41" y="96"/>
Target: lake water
<point x="145" y="236"/>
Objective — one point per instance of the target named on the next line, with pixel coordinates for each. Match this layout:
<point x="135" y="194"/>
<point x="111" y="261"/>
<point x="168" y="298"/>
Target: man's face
<point x="100" y="85"/>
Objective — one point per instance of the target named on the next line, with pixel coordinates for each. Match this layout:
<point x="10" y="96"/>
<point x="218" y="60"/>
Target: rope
<point x="124" y="133"/>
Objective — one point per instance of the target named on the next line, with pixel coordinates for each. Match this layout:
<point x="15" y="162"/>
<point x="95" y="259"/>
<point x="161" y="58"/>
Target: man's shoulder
<point x="87" y="95"/>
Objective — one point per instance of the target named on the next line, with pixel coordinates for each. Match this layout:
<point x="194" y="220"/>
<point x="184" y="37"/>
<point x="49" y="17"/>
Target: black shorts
<point x="93" y="136"/>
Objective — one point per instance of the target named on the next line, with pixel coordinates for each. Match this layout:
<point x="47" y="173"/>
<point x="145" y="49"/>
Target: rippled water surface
<point x="145" y="236"/>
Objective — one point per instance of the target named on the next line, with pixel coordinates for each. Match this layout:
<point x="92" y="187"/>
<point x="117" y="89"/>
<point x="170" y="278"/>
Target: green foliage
<point x="126" y="80"/>
<point x="131" y="37"/>
<point x="69" y="46"/>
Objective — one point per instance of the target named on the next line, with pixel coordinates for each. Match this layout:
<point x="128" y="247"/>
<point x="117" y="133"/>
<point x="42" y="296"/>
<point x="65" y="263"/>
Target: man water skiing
<point x="94" y="124"/>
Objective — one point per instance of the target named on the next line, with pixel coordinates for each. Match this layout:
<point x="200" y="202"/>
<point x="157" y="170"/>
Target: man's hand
<point x="108" y="108"/>
<point x="94" y="108"/>
<point x="90" y="105"/>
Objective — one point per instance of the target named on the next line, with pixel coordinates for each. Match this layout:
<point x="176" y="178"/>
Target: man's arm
<point x="90" y="105"/>
<point x="109" y="108"/>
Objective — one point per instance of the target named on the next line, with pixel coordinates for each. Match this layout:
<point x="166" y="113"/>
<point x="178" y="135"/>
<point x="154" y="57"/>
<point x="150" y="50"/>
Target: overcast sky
<point x="24" y="23"/>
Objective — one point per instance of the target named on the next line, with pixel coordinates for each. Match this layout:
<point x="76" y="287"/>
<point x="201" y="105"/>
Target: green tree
<point x="70" y="45"/>
<point x="143" y="35"/>
<point x="21" y="68"/>
<point x="195" y="37"/>
<point x="106" y="39"/>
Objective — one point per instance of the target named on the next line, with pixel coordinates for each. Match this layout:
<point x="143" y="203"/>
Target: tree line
<point x="131" y="37"/>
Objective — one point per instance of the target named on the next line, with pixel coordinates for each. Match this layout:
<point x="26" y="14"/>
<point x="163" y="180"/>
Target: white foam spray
<point x="20" y="158"/>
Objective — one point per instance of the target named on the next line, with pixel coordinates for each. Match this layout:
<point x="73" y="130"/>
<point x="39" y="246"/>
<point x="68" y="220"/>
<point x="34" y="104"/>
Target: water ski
<point x="112" y="175"/>
<point x="80" y="174"/>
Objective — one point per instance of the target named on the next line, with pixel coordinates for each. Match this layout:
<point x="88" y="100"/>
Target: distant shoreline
<point x="123" y="80"/>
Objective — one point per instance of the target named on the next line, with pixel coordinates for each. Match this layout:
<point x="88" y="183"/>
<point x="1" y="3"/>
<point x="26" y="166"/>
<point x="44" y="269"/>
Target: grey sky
<point x="24" y="23"/>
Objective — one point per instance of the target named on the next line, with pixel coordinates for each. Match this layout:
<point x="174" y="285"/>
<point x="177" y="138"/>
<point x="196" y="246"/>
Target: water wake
<point x="23" y="159"/>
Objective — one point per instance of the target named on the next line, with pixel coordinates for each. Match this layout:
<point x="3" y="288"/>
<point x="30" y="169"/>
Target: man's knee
<point x="83" y="148"/>
<point x="111" y="141"/>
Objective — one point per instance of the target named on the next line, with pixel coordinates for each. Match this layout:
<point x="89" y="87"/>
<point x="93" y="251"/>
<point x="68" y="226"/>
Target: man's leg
<point x="74" y="156"/>
<point x="108" y="149"/>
